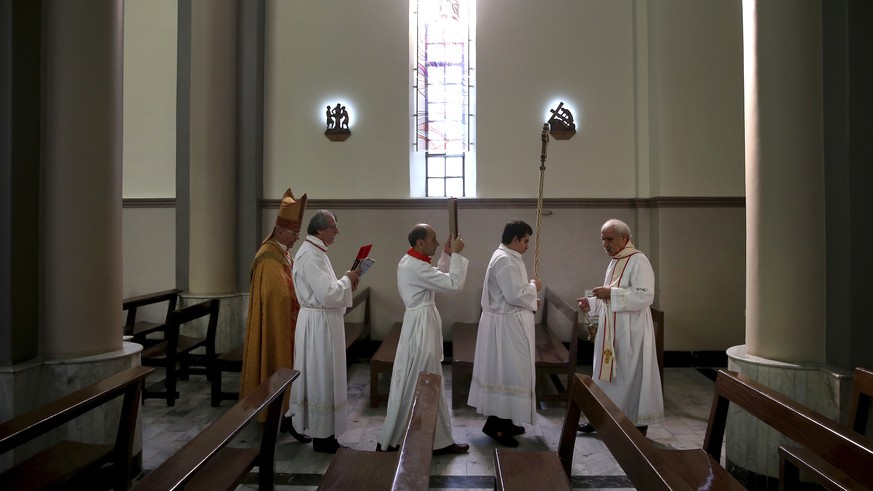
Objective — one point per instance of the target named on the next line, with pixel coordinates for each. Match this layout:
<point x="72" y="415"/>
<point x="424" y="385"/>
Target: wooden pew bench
<point x="208" y="463"/>
<point x="382" y="363"/>
<point x="553" y="359"/>
<point x="174" y="353"/>
<point x="232" y="359"/>
<point x="647" y="466"/>
<point x="406" y="469"/>
<point x="71" y="464"/>
<point x="140" y="329"/>
<point x="824" y="441"/>
<point x="793" y="459"/>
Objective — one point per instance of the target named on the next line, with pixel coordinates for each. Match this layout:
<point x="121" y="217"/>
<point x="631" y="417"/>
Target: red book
<point x="363" y="252"/>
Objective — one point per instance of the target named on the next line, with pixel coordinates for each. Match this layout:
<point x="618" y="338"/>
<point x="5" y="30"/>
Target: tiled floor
<point x="688" y="396"/>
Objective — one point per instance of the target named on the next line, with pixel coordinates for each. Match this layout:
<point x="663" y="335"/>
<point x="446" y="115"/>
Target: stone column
<point x="785" y="226"/>
<point x="82" y="177"/>
<point x="208" y="192"/>
<point x="785" y="202"/>
<point x="213" y="147"/>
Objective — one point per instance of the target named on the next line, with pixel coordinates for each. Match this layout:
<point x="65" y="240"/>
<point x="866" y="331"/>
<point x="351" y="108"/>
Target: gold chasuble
<point x="272" y="319"/>
<point x="607" y="347"/>
<point x="273" y="306"/>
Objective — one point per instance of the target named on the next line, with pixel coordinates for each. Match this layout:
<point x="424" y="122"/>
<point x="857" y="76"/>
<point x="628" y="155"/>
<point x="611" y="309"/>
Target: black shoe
<point x="643" y="429"/>
<point x="586" y="428"/>
<point x="502" y="437"/>
<point x="287" y="427"/>
<point x="502" y="430"/>
<point x="326" y="445"/>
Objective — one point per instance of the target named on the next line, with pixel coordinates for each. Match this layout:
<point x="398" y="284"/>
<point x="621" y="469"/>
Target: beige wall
<point x="656" y="89"/>
<point x="150" y="35"/>
<point x="325" y="52"/>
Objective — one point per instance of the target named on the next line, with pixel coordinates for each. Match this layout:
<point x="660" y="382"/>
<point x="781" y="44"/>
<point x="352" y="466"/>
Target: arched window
<point x="443" y="157"/>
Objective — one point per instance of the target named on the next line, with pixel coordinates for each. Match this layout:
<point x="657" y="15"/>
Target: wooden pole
<point x="545" y="140"/>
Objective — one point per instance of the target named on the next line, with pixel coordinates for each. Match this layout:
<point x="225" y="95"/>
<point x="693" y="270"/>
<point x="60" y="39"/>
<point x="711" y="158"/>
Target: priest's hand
<point x="457" y="245"/>
<point x="537" y="283"/>
<point x="354" y="276"/>
<point x="584" y="306"/>
<point x="602" y="292"/>
<point x="447" y="247"/>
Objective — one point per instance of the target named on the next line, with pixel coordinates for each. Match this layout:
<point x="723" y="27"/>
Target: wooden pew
<point x="231" y="360"/>
<point x="406" y="469"/>
<point x="463" y="353"/>
<point x="552" y="357"/>
<point x="76" y="464"/>
<point x="647" y="466"/>
<point x="382" y="362"/>
<point x="358" y="331"/>
<point x="175" y="349"/>
<point x="826" y="440"/>
<point x="140" y="329"/>
<point x="208" y="463"/>
<point x="792" y="459"/>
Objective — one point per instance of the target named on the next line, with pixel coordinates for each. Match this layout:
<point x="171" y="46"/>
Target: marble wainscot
<point x="35" y="383"/>
<point x="750" y="445"/>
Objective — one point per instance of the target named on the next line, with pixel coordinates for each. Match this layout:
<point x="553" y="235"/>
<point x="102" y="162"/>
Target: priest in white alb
<point x="320" y="395"/>
<point x="504" y="375"/>
<point x="420" y="347"/>
<point x="625" y="357"/>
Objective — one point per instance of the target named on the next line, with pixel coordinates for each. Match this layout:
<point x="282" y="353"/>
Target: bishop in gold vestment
<point x="273" y="306"/>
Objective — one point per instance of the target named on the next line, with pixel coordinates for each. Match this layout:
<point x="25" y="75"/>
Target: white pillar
<point x="785" y="224"/>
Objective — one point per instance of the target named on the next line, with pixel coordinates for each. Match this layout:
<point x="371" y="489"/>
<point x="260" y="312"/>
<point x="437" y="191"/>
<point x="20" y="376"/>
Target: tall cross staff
<point x="545" y="138"/>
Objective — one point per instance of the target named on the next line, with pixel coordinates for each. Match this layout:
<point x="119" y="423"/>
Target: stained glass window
<point x="443" y="89"/>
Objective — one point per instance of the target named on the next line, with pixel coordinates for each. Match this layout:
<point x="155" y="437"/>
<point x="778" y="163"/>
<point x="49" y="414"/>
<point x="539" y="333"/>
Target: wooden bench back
<point x="407" y="469"/>
<point x="356" y="330"/>
<point x="552" y="357"/>
<point x="643" y="464"/>
<point x="862" y="398"/>
<point x="132" y="303"/>
<point x="183" y="466"/>
<point x="836" y="444"/>
<point x="551" y="299"/>
<point x="39" y="421"/>
<point x="180" y="317"/>
<point x="413" y="468"/>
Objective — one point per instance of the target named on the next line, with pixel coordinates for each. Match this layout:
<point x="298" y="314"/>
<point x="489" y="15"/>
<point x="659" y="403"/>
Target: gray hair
<point x="619" y="226"/>
<point x="319" y="221"/>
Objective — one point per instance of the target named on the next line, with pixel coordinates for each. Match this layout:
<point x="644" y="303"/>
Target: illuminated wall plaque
<point x="337" y="121"/>
<point x="561" y="125"/>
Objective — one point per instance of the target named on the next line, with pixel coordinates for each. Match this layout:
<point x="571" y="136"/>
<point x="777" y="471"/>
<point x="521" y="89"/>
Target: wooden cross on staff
<point x="545" y="140"/>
